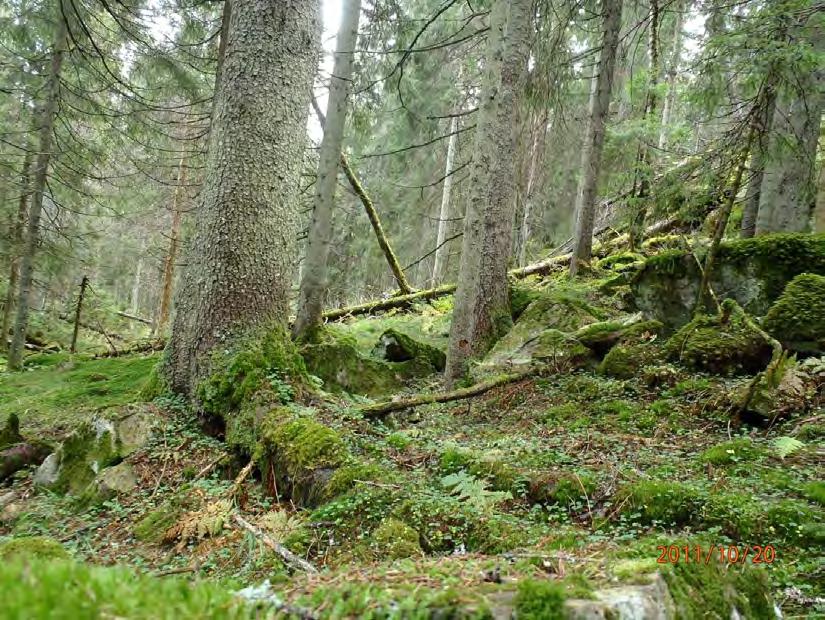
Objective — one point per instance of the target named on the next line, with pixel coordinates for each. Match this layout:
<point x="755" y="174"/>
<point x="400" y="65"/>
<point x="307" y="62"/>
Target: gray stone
<point x="46" y="475"/>
<point x="113" y="481"/>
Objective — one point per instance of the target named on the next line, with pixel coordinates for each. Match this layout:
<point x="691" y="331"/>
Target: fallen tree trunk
<point x="380" y="410"/>
<point x="132" y="317"/>
<point x="388" y="304"/>
<point x="140" y="347"/>
<point x="20" y="455"/>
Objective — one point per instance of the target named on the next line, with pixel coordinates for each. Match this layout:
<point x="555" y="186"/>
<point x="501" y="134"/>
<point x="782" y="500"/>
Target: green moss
<point x="11" y="432"/>
<point x="811" y="431"/>
<point x="396" y="346"/>
<point x="563" y="488"/>
<point x="521" y="296"/>
<point x="348" y="475"/>
<point x="815" y="491"/>
<point x="40" y="590"/>
<point x="670" y="503"/>
<point x="539" y="600"/>
<point x="798" y="316"/>
<point x="32" y="548"/>
<point x="85" y="452"/>
<point x="734" y="451"/>
<point x="269" y="362"/>
<point x="723" y="344"/>
<point x="393" y="539"/>
<point x="152" y="526"/>
<point x="789" y="518"/>
<point x="154" y="386"/>
<point x="301" y="453"/>
<point x="624" y="361"/>
<point x="499" y="475"/>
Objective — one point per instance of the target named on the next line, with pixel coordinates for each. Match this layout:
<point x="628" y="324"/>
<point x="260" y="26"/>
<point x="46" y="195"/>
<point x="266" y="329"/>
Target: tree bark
<point x="594" y="142"/>
<point x="48" y="113"/>
<point x="240" y="268"/>
<point x="643" y="172"/>
<point x="533" y="174"/>
<point x="819" y="208"/>
<point x="757" y="165"/>
<point x="444" y="212"/>
<point x="673" y="66"/>
<point x="174" y="243"/>
<point x="15" y="244"/>
<point x="482" y="308"/>
<point x="788" y="189"/>
<point x="78" y="309"/>
<point x="315" y="274"/>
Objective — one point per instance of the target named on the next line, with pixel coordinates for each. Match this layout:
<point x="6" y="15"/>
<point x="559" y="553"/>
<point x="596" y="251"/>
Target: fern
<point x="208" y="521"/>
<point x="280" y="524"/>
<point x="471" y="490"/>
<point x="785" y="446"/>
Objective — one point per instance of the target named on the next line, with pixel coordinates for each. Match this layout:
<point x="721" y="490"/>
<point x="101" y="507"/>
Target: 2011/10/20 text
<point x="730" y="554"/>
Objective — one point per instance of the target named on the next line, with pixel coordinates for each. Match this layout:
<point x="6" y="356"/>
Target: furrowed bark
<point x="240" y="268"/>
<point x="174" y="243"/>
<point x="18" y="227"/>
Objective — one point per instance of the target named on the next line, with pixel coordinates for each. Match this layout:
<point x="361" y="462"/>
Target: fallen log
<point x="380" y="410"/>
<point x="141" y="347"/>
<point x="132" y="317"/>
<point x="400" y="301"/>
<point x="20" y="455"/>
<point x="290" y="558"/>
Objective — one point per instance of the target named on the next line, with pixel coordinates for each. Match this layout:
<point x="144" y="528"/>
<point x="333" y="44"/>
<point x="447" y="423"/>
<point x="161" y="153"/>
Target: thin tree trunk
<point x="77" y="310"/>
<point x="174" y="244"/>
<point x="240" y="267"/>
<point x="482" y="308"/>
<point x="536" y="159"/>
<point x="135" y="300"/>
<point x="819" y="209"/>
<point x="673" y="67"/>
<point x="444" y="211"/>
<point x="643" y="161"/>
<point x="594" y="142"/>
<point x="758" y="160"/>
<point x="15" y="246"/>
<point x="48" y="113"/>
<point x="315" y="272"/>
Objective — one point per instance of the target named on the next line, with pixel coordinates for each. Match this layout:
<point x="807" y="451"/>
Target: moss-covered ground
<point x="537" y="491"/>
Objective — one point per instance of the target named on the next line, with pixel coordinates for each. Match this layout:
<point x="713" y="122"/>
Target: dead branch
<point x="379" y="410"/>
<point x="286" y="555"/>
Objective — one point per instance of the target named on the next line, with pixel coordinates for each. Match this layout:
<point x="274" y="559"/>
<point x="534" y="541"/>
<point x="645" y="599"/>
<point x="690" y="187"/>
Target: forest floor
<point x="571" y="478"/>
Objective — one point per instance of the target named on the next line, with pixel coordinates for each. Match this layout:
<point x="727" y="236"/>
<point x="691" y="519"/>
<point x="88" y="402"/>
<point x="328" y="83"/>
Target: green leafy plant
<point x="785" y="446"/>
<point x="471" y="490"/>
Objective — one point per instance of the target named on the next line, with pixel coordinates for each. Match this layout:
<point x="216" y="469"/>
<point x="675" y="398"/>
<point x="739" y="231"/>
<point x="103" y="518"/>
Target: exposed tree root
<point x="379" y="410"/>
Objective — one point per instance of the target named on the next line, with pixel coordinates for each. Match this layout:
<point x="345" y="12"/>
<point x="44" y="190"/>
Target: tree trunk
<point x="15" y="245"/>
<point x="643" y="172"/>
<point x="77" y="310"/>
<point x="315" y="272"/>
<point x="482" y="308"/>
<point x="675" y="57"/>
<point x="444" y="212"/>
<point x="174" y="243"/>
<point x="594" y="142"/>
<point x="757" y="165"/>
<point x="48" y="113"/>
<point x="240" y="268"/>
<point x="788" y="189"/>
<point x="536" y="160"/>
<point x="135" y="297"/>
<point x="819" y="209"/>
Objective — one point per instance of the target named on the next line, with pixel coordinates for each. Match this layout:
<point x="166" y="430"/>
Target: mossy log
<point x="146" y="346"/>
<point x="20" y="455"/>
<point x="380" y="410"/>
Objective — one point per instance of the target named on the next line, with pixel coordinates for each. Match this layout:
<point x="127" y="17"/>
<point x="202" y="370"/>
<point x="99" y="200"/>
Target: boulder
<point x="754" y="272"/>
<point x="95" y="445"/>
<point x="396" y="346"/>
<point x="111" y="482"/>
<point x="725" y="344"/>
<point x="797" y="318"/>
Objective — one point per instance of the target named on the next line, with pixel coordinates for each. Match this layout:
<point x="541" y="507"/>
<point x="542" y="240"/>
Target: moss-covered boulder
<point x="396" y="346"/>
<point x="563" y="488"/>
<point x="11" y="432"/>
<point x="343" y="368"/>
<point x="754" y="272"/>
<point x="300" y="457"/>
<point x="95" y="445"/>
<point x="624" y="361"/>
<point x="32" y="548"/>
<point x="543" y="332"/>
<point x="723" y="344"/>
<point x="110" y="483"/>
<point x="797" y="318"/>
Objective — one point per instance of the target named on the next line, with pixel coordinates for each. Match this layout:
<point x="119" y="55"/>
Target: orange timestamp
<point x="726" y="554"/>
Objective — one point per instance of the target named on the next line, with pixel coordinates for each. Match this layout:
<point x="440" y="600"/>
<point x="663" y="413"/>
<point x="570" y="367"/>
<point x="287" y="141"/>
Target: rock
<point x="779" y="392"/>
<point x="32" y="547"/>
<point x="797" y="318"/>
<point x="395" y="346"/>
<point x="300" y="456"/>
<point x="95" y="445"/>
<point x="650" y="601"/>
<point x="543" y="332"/>
<point x="344" y="369"/>
<point x="624" y="361"/>
<point x="20" y="455"/>
<point x="754" y="272"/>
<point x="724" y="344"/>
<point x="111" y="482"/>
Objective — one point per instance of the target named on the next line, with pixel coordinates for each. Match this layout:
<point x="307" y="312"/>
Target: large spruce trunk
<point x="482" y="308"/>
<point x="240" y="264"/>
